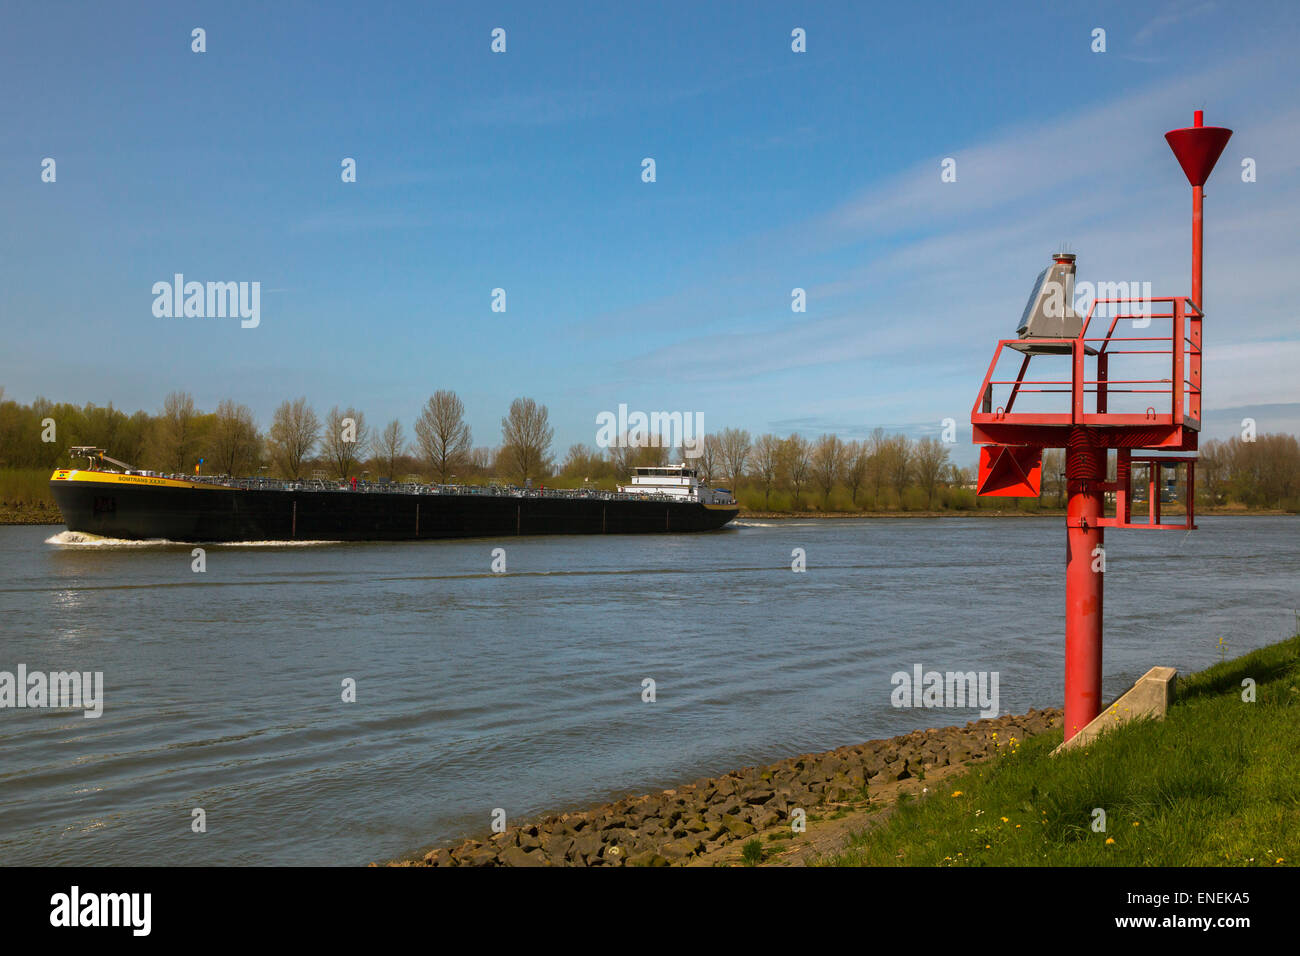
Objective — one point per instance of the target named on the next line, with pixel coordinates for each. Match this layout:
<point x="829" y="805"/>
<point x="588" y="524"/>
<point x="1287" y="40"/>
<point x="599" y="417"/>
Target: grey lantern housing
<point x="1049" y="313"/>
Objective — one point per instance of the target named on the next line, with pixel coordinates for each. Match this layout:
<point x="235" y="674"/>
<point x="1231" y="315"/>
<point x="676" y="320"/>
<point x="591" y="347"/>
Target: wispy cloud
<point x="348" y="220"/>
<point x="1171" y="14"/>
<point x="915" y="279"/>
<point x="562" y="105"/>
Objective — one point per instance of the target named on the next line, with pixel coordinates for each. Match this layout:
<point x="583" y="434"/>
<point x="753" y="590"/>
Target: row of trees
<point x="1264" y="473"/>
<point x="297" y="444"/>
<point x="881" y="472"/>
<point x="802" y="471"/>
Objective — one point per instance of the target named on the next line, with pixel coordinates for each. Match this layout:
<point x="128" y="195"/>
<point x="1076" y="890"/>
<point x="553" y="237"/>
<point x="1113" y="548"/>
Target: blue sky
<point x="522" y="171"/>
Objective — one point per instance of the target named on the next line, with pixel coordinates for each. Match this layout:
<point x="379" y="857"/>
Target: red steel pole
<point x="1198" y="217"/>
<point x="1085" y="470"/>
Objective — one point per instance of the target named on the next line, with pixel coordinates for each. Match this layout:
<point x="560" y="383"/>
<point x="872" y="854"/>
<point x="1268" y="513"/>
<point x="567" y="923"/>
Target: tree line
<point x="882" y="472"/>
<point x="797" y="473"/>
<point x="297" y="444"/>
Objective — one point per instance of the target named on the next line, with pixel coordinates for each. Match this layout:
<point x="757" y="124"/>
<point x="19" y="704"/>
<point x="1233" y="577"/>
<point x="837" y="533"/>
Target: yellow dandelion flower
<point x="956" y="793"/>
<point x="1109" y="840"/>
<point x="1136" y="824"/>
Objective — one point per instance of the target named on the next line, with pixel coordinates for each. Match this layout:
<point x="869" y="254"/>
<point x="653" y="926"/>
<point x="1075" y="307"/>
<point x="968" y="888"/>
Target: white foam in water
<point x="269" y="544"/>
<point x="78" y="539"/>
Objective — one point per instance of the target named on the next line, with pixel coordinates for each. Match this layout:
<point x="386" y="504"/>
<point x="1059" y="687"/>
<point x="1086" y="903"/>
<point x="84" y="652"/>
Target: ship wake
<point x="79" y="539"/>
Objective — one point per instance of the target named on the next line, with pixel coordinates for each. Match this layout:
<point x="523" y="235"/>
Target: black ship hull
<point x="214" y="513"/>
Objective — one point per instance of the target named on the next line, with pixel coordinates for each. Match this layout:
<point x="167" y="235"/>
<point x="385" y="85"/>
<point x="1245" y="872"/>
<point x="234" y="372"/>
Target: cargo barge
<point x="140" y="505"/>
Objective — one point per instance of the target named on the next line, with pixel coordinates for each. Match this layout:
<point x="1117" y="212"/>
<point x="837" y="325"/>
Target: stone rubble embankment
<point x="674" y="827"/>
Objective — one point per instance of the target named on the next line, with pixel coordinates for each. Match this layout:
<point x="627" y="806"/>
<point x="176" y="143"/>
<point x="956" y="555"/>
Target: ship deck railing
<point x="327" y="486"/>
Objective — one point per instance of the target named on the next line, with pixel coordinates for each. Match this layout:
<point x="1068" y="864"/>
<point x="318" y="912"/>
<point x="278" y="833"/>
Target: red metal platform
<point x="1136" y="388"/>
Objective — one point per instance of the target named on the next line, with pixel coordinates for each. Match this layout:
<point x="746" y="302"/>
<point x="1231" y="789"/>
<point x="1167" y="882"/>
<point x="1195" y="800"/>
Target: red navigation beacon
<point x="1149" y="415"/>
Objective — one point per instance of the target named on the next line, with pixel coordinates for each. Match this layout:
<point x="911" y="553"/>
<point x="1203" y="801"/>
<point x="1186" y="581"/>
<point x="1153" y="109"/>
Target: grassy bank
<point x="25" y="497"/>
<point x="1212" y="784"/>
<point x="25" y="487"/>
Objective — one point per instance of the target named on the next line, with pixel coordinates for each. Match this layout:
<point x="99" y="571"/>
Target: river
<point x="223" y="688"/>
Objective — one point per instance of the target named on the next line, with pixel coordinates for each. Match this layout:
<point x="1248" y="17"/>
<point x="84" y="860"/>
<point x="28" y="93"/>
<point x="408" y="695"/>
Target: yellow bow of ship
<point x="112" y="478"/>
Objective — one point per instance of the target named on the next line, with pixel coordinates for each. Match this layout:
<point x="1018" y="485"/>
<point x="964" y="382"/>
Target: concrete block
<point x="1149" y="697"/>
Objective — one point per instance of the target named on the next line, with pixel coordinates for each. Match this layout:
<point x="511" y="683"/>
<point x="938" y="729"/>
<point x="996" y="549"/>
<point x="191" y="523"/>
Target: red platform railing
<point x="1170" y="422"/>
<point x="1122" y="488"/>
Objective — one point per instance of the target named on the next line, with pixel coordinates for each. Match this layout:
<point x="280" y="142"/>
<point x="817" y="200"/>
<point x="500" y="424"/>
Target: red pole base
<point x="1085" y="469"/>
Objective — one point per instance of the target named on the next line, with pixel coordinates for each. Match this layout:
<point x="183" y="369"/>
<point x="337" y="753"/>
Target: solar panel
<point x="1023" y="326"/>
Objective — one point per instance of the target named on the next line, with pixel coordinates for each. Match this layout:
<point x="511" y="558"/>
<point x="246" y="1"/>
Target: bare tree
<point x="175" y="433"/>
<point x="796" y="463"/>
<point x="735" y="447"/>
<point x="346" y="441"/>
<point x="295" y="430"/>
<point x="898" y="464"/>
<point x="1053" y="481"/>
<point x="856" y="457"/>
<point x="635" y="450"/>
<point x="827" y="464"/>
<point x="654" y="456"/>
<point x="233" y="441"/>
<point x="442" y="434"/>
<point x="767" y="463"/>
<point x="526" y="437"/>
<point x="878" y="446"/>
<point x="478" y="463"/>
<point x="621" y="459"/>
<point x="390" y="448"/>
<point x="1211" y="470"/>
<point x="583" y="463"/>
<point x="1268" y="469"/>
<point x="931" y="462"/>
<point x="709" y="463"/>
<point x="577" y="462"/>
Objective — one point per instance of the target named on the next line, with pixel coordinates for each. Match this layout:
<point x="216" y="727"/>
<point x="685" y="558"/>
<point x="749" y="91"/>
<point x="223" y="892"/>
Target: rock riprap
<point x="674" y="826"/>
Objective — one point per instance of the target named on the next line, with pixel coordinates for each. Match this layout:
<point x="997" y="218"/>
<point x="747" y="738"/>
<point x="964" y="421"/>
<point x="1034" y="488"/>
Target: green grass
<point x="1215" y="783"/>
